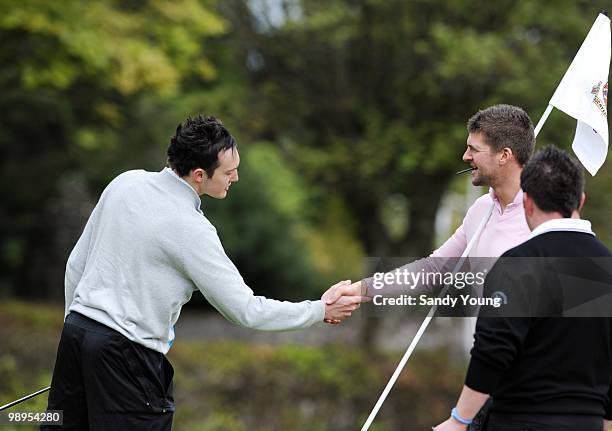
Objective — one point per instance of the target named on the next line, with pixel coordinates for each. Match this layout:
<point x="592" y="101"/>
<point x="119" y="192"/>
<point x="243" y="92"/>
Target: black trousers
<point x="103" y="381"/>
<point x="539" y="422"/>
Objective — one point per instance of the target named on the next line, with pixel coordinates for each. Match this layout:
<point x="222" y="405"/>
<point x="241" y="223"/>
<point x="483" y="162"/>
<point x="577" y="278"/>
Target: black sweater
<point x="556" y="365"/>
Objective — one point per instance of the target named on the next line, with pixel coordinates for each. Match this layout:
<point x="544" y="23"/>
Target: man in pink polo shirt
<point x="500" y="141"/>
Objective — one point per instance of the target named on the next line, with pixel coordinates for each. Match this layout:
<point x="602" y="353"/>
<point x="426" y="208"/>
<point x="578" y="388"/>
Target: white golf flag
<point x="583" y="94"/>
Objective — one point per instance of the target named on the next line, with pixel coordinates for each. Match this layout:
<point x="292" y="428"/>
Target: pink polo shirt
<point x="503" y="231"/>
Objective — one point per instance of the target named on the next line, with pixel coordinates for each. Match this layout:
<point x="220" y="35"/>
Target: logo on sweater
<point x="500" y="296"/>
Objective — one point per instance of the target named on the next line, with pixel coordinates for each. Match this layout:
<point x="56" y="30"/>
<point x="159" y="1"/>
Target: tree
<point x="369" y="98"/>
<point x="77" y="77"/>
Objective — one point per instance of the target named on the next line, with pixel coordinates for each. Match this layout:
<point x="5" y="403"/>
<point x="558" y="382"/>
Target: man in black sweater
<point x="545" y="372"/>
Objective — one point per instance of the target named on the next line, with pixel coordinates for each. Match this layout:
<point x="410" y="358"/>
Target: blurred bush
<point x="266" y="226"/>
<point x="232" y="386"/>
<point x="352" y="113"/>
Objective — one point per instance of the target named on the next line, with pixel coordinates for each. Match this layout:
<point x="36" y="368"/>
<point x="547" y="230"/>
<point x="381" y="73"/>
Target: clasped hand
<point x="341" y="300"/>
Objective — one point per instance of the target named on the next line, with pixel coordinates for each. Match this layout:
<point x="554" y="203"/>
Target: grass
<point x="235" y="386"/>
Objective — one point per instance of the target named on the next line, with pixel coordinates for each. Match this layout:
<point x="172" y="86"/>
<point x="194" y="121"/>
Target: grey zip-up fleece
<point x="146" y="248"/>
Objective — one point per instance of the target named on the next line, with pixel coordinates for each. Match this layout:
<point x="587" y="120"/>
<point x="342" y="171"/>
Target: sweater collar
<point x="563" y="225"/>
<point x="184" y="185"/>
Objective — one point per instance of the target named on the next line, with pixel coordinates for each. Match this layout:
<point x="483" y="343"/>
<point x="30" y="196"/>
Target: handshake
<point x="342" y="299"/>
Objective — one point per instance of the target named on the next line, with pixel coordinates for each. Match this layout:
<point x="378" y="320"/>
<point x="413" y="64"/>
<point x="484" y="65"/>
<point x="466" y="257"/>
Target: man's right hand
<point x="343" y="288"/>
<point x="341" y="300"/>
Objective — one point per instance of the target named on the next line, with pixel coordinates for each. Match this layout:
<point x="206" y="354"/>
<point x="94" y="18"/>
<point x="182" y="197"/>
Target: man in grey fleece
<point x="145" y="249"/>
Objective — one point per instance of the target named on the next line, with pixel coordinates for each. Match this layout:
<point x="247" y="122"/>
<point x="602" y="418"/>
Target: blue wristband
<point x="458" y="418"/>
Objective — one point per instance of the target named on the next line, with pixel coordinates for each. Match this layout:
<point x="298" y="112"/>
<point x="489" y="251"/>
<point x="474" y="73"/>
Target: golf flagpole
<point x="590" y="145"/>
<point x="543" y="119"/>
<point x="424" y="325"/>
<point x="434" y="308"/>
<point x="27" y="397"/>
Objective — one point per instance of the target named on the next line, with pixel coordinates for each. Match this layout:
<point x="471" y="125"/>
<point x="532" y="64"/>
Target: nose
<point x="467" y="156"/>
<point x="236" y="177"/>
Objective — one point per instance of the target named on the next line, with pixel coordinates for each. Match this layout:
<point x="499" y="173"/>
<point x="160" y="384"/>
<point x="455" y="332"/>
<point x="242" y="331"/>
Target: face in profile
<point x="224" y="176"/>
<point x="481" y="156"/>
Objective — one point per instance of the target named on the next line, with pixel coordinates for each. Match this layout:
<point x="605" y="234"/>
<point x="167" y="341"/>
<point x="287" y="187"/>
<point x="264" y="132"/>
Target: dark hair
<point x="197" y="144"/>
<point x="554" y="181"/>
<point x="505" y="126"/>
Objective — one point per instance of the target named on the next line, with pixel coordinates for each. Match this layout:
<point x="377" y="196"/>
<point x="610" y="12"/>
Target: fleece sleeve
<point x="214" y="274"/>
<point x="440" y="261"/>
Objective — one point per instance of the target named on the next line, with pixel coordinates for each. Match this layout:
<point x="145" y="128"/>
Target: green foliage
<point x="217" y="421"/>
<point x="372" y="96"/>
<point x="350" y="117"/>
<point x="335" y="248"/>
<point x="151" y="45"/>
<point x="263" y="225"/>
<point x="83" y="87"/>
<point x="306" y="388"/>
<point x="598" y="206"/>
<point x="30" y="315"/>
<point x="268" y="214"/>
<point x="361" y="106"/>
<point x="28" y="334"/>
<point x="237" y="386"/>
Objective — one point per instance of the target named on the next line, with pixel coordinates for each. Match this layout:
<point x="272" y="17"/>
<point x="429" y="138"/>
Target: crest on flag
<point x="601" y="97"/>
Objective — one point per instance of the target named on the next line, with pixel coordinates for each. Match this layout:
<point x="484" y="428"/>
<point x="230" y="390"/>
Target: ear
<point x="198" y="175"/>
<point x="582" y="201"/>
<point x="506" y="156"/>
